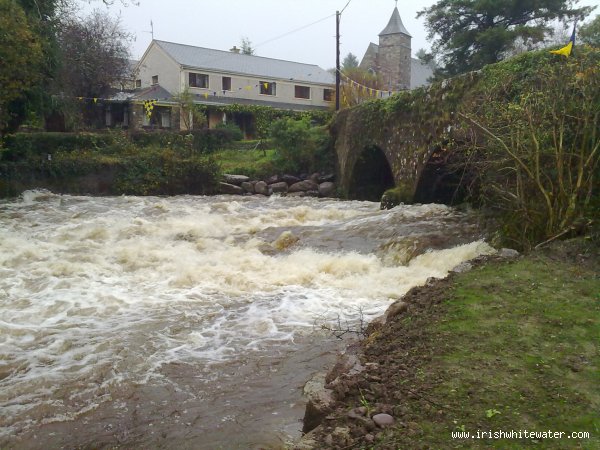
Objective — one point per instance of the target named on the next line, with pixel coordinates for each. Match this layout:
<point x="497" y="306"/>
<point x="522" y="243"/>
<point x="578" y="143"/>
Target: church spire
<point x="395" y="25"/>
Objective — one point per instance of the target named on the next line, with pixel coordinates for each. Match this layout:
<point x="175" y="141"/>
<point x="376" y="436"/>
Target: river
<point x="193" y="322"/>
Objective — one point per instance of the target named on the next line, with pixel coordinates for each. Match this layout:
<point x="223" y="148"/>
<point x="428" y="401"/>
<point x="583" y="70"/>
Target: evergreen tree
<point x="469" y="34"/>
<point x="350" y="62"/>
<point x="247" y="48"/>
<point x="590" y="32"/>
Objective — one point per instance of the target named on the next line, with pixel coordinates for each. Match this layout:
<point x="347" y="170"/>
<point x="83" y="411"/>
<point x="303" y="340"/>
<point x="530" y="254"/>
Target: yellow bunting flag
<point x="206" y="95"/>
<point x="95" y="100"/>
<point x="567" y="49"/>
<point x="149" y="107"/>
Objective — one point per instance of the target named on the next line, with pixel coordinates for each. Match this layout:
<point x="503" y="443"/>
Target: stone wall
<point x="394" y="61"/>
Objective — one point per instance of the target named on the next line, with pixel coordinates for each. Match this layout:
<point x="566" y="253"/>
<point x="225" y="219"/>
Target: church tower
<point x="394" y="55"/>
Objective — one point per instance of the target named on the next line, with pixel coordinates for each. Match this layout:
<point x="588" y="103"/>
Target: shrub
<point x="20" y="146"/>
<point x="538" y="156"/>
<point x="301" y="147"/>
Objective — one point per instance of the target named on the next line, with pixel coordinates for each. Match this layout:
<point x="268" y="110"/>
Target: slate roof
<point x="155" y="92"/>
<point x="395" y="25"/>
<point x="230" y="62"/>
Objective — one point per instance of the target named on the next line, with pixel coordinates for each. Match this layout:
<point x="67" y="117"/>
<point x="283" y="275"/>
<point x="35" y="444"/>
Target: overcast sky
<point x="222" y="24"/>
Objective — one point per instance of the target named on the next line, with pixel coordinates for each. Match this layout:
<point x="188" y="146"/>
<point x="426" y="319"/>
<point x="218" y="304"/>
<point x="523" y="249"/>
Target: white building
<point x="217" y="78"/>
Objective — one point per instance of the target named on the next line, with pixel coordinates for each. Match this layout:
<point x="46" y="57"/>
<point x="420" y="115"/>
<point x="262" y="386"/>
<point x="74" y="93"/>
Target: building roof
<point x="220" y="100"/>
<point x="155" y="92"/>
<point x="419" y="73"/>
<point x="226" y="61"/>
<point x="395" y="25"/>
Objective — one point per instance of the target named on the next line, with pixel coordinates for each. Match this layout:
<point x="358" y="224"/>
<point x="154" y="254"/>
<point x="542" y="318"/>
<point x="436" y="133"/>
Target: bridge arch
<point x="371" y="175"/>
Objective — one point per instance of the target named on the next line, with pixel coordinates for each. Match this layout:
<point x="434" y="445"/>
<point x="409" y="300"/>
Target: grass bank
<point x="252" y="161"/>
<point x="507" y="346"/>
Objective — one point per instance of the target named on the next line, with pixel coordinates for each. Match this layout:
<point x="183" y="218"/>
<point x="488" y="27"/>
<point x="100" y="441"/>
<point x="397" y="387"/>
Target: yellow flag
<point x="95" y="99"/>
<point x="266" y="85"/>
<point x="206" y="95"/>
<point x="565" y="51"/>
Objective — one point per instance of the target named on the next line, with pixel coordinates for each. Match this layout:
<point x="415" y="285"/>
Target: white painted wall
<point x="156" y="62"/>
<point x="285" y="90"/>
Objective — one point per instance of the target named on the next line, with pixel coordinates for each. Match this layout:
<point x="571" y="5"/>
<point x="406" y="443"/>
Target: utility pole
<point x="337" y="61"/>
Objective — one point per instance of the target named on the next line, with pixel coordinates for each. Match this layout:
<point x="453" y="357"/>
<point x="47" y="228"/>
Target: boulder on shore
<point x="232" y="189"/>
<point x="262" y="188"/>
<point x="248" y="187"/>
<point x="235" y="179"/>
<point x="303" y="186"/>
<point x="279" y="187"/>
<point x="327" y="189"/>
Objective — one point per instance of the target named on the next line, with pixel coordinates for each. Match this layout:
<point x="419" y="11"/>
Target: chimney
<point x="234" y="49"/>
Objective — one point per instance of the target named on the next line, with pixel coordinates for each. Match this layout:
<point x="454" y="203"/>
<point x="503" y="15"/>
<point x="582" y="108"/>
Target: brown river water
<point x="193" y="322"/>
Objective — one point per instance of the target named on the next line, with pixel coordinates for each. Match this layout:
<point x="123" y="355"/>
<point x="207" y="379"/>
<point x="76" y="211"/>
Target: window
<point x="154" y="79"/>
<point x="198" y="80"/>
<point x="301" y="92"/>
<point x="226" y="83"/>
<point x="138" y="83"/>
<point x="267" y="88"/>
<point x="328" y="95"/>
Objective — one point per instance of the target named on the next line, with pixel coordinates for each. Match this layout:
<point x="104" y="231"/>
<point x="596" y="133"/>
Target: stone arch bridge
<point x="401" y="143"/>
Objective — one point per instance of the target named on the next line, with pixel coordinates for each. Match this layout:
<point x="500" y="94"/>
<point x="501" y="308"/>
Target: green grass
<point x="518" y="350"/>
<point x="253" y="163"/>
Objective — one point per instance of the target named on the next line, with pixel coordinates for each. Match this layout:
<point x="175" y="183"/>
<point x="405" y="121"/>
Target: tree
<point x="423" y="56"/>
<point x="359" y="85"/>
<point x="469" y="34"/>
<point x="246" y="45"/>
<point x="590" y="32"/>
<point x="350" y="62"/>
<point x="94" y="55"/>
<point x="191" y="116"/>
<point x="21" y="56"/>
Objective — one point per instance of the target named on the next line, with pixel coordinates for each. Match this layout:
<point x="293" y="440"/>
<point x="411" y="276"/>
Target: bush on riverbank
<point x="24" y="146"/>
<point x="108" y="164"/>
<point x="536" y="150"/>
<point x="301" y="147"/>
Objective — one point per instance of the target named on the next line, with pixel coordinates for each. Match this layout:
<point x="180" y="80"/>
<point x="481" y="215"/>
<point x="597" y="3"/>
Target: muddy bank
<point x="377" y="375"/>
<point x="503" y="345"/>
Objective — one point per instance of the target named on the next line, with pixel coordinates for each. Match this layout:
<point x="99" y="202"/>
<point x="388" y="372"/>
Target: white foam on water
<point x="95" y="291"/>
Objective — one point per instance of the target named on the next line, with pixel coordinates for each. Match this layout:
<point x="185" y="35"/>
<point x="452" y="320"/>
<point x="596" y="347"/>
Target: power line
<point x="344" y="8"/>
<point x="295" y="30"/>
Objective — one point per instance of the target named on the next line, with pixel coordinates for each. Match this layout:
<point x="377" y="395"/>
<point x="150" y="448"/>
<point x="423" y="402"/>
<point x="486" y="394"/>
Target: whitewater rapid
<point x="101" y="297"/>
